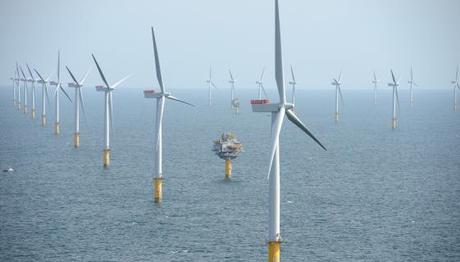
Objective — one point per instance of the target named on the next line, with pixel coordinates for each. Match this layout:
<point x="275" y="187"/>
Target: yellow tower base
<point x="33" y="113"/>
<point x="158" y="189"/>
<point x="274" y="251"/>
<point x="25" y="109"/>
<point x="394" y="123"/>
<point x="57" y="128"/>
<point x="336" y="116"/>
<point x="76" y="139"/>
<point x="228" y="168"/>
<point x="106" y="157"/>
<point x="43" y="120"/>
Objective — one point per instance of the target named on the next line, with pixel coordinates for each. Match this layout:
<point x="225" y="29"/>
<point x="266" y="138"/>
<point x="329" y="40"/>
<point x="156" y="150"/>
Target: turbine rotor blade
<point x="279" y="57"/>
<point x="393" y="76"/>
<point x="231" y="76"/>
<point x="340" y="75"/>
<point x="100" y="72"/>
<point x="121" y="81"/>
<point x="178" y="100"/>
<point x="276" y="136"/>
<point x="82" y="104"/>
<point x="111" y="112"/>
<point x="341" y="96"/>
<point x="30" y="72"/>
<point x="157" y="62"/>
<point x="86" y="75"/>
<point x="73" y="77"/>
<point x="65" y="93"/>
<point x="39" y="75"/>
<point x="292" y="73"/>
<point x="263" y="89"/>
<point x="262" y="74"/>
<point x="212" y="83"/>
<point x="294" y="119"/>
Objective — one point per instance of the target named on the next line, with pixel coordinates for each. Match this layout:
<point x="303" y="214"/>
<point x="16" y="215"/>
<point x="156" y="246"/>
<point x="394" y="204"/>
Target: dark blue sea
<point x="377" y="194"/>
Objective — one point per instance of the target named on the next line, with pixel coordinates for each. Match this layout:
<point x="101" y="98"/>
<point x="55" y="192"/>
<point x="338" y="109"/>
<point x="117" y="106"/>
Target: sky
<point x="319" y="39"/>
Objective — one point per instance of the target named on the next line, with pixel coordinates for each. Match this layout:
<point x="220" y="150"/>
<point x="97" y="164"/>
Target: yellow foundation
<point x="43" y="120"/>
<point x="274" y="251"/>
<point x="336" y="116"/>
<point x="33" y="113"/>
<point x="76" y="140"/>
<point x="25" y="109"/>
<point x="394" y="123"/>
<point x="158" y="189"/>
<point x="57" y="128"/>
<point x="106" y="157"/>
<point x="228" y="168"/>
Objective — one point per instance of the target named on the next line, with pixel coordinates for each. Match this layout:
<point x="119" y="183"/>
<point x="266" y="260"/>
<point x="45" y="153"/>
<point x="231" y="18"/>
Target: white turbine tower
<point x="45" y="98"/>
<point x="210" y="86"/>
<point x="278" y="111"/>
<point x="456" y="85"/>
<point x="411" y="84"/>
<point x="293" y="83"/>
<point x="15" y="80"/>
<point x="232" y="82"/>
<point x="25" y="91"/>
<point x="78" y="103"/>
<point x="338" y="91"/>
<point x="108" y="111"/>
<point x="260" y="85"/>
<point x="374" y="82"/>
<point x="19" y="87"/>
<point x="395" y="85"/>
<point x="161" y="97"/>
<point x="58" y="84"/>
<point x="32" y="83"/>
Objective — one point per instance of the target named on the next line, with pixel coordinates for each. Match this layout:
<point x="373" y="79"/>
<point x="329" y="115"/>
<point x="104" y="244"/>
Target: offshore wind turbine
<point x="45" y="98"/>
<point x="15" y="80"/>
<point x="374" y="82"/>
<point x="24" y="80"/>
<point x="58" y="84"/>
<point x="19" y="88"/>
<point x="278" y="112"/>
<point x="411" y="83"/>
<point x="78" y="103"/>
<point x="232" y="82"/>
<point x="456" y="85"/>
<point x="32" y="81"/>
<point x="293" y="83"/>
<point x="260" y="85"/>
<point x="161" y="97"/>
<point x="108" y="111"/>
<point x="210" y="86"/>
<point x="338" y="91"/>
<point x="395" y="85"/>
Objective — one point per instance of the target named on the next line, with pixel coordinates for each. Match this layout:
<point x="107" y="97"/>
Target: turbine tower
<point x="24" y="80"/>
<point x="19" y="88"/>
<point x="232" y="82"/>
<point x="15" y="80"/>
<point x="338" y="91"/>
<point x="108" y="111"/>
<point x="411" y="84"/>
<point x="45" y="98"/>
<point x="78" y="103"/>
<point x="58" y="84"/>
<point x="456" y="85"/>
<point x="395" y="85"/>
<point x="160" y="97"/>
<point x="210" y="86"/>
<point x="260" y="85"/>
<point x="278" y="111"/>
<point x="293" y="84"/>
<point x="32" y="81"/>
<point x="374" y="82"/>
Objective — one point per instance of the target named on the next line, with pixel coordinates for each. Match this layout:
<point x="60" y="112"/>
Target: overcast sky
<point x="319" y="38"/>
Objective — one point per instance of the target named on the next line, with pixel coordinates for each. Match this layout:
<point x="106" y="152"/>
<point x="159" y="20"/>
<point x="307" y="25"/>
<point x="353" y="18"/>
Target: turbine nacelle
<point x="72" y="84"/>
<point x="150" y="93"/>
<point x="53" y="83"/>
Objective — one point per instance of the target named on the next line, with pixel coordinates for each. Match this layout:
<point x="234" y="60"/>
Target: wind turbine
<point x="108" y="111"/>
<point x="338" y="91"/>
<point x="32" y="81"/>
<point x="19" y="88"/>
<point x="395" y="85"/>
<point x="232" y="82"/>
<point x="24" y="80"/>
<point x="15" y="80"/>
<point x="161" y="97"/>
<point x="278" y="111"/>
<point x="260" y="85"/>
<point x="78" y="103"/>
<point x="45" y="98"/>
<point x="456" y="85"/>
<point x="210" y="86"/>
<point x="412" y="84"/>
<point x="293" y="84"/>
<point x="58" y="84"/>
<point x="374" y="82"/>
